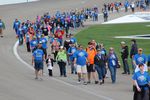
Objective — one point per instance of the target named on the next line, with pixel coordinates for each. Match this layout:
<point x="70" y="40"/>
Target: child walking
<point x="49" y="62"/>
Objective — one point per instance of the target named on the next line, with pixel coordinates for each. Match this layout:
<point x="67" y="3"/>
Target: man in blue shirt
<point x="81" y="60"/>
<point x="140" y="58"/>
<point x="33" y="43"/>
<point x="20" y="35"/>
<point x="37" y="60"/>
<point x="71" y="51"/>
<point x="43" y="40"/>
<point x="126" y="5"/>
<point x="16" y="25"/>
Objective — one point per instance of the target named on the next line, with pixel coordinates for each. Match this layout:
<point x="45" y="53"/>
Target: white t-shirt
<point x="138" y="69"/>
<point x="49" y="66"/>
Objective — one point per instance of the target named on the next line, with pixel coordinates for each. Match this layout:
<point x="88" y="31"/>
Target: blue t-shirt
<point x="140" y="59"/>
<point x="142" y="79"/>
<point x="112" y="60"/>
<point x="16" y="25"/>
<point x="19" y="32"/>
<point x="81" y="56"/>
<point x="73" y="40"/>
<point x="38" y="55"/>
<point x="72" y="50"/>
<point x="33" y="43"/>
<point x="44" y="42"/>
<point x="24" y="29"/>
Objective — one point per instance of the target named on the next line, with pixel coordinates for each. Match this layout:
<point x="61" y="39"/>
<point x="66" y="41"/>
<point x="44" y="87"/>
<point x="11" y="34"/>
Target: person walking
<point x="80" y="60"/>
<point x="124" y="56"/>
<point x="44" y="41"/>
<point x="133" y="52"/>
<point x="71" y="51"/>
<point x="100" y="64"/>
<point x="2" y="27"/>
<point x="91" y="51"/>
<point x="112" y="62"/>
<point x="62" y="61"/>
<point x="140" y="58"/>
<point x="16" y="26"/>
<point x="141" y="81"/>
<point x="37" y="61"/>
<point x="105" y="15"/>
<point x="50" y="62"/>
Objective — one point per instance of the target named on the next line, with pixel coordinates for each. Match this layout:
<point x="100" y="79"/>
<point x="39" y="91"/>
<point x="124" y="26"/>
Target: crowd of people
<point x="119" y="6"/>
<point x="55" y="32"/>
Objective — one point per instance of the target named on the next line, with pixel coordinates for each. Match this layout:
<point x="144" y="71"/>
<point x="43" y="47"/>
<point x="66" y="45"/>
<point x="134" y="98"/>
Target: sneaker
<point x="65" y="75"/>
<point x="79" y="81"/>
<point x="88" y="82"/>
<point x="101" y="83"/>
<point x="124" y="73"/>
<point x="96" y="82"/>
<point x="36" y="78"/>
<point x="84" y="83"/>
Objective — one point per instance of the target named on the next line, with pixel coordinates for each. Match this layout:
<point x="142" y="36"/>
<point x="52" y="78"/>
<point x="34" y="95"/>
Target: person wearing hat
<point x="91" y="51"/>
<point x="124" y="56"/>
<point x="80" y="60"/>
<point x="2" y="27"/>
<point x="133" y="52"/>
<point x="100" y="64"/>
<point x="141" y="81"/>
<point x="112" y="62"/>
<point x="140" y="58"/>
<point x="61" y="58"/>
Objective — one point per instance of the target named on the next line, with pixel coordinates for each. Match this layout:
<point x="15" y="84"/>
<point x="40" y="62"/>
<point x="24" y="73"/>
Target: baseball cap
<point x="61" y="47"/>
<point x="123" y="42"/>
<point x="140" y="49"/>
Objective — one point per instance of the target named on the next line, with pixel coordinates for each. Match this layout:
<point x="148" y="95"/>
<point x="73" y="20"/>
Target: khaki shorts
<point x="81" y="69"/>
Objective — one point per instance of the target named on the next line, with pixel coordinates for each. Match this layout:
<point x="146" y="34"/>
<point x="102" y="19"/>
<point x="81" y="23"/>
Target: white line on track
<point x="15" y="51"/>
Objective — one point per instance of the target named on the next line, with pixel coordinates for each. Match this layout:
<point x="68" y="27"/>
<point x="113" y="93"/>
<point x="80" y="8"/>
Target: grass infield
<point x="105" y="34"/>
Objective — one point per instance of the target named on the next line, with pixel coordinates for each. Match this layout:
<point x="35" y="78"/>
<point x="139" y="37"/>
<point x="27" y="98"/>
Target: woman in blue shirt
<point x="141" y="81"/>
<point x="112" y="64"/>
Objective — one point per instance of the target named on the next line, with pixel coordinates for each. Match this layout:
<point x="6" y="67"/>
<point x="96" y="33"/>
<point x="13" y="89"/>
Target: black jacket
<point x="100" y="60"/>
<point x="124" y="52"/>
<point x="52" y="61"/>
<point x="134" y="50"/>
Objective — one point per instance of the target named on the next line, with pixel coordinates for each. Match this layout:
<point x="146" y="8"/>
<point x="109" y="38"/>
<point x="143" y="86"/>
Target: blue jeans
<point x="113" y="73"/>
<point x="73" y="68"/>
<point x="133" y="66"/>
<point x="126" y="66"/>
<point x="101" y="71"/>
<point x="20" y="38"/>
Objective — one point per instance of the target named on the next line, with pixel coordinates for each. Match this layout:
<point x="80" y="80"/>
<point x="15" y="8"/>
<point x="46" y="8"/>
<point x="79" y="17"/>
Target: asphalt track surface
<point x="17" y="79"/>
